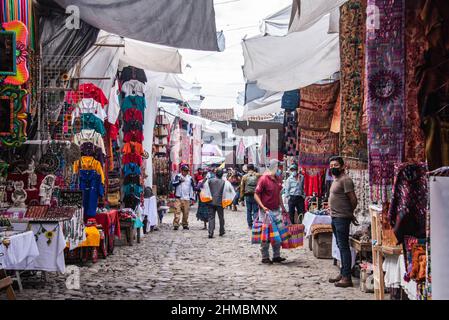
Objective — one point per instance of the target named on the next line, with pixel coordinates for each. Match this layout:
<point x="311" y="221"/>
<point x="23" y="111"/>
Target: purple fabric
<point x="386" y="78"/>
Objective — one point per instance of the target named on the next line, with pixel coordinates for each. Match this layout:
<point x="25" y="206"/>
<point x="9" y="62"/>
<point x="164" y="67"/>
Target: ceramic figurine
<point x="32" y="176"/>
<point x="19" y="195"/>
<point x="46" y="189"/>
<point x="3" y="199"/>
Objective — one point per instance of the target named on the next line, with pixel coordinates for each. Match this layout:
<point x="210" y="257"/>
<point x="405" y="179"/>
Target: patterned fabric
<point x="352" y="48"/>
<point x="408" y="209"/>
<point x="386" y="111"/>
<point x="316" y="147"/>
<point x="415" y="45"/>
<point x="313" y="181"/>
<point x="361" y="188"/>
<point x="290" y="135"/>
<point x="317" y="105"/>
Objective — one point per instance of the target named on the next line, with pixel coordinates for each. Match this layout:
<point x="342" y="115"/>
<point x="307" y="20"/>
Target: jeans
<point x="252" y="209"/>
<point x="295" y="203"/>
<point x="212" y="211"/>
<point x="235" y="202"/>
<point x="264" y="248"/>
<point x="340" y="228"/>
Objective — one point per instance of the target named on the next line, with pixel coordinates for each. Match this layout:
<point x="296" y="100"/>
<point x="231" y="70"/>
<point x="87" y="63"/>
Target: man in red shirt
<point x="268" y="197"/>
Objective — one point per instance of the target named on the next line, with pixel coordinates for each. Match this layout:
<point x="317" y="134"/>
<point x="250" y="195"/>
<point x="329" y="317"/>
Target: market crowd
<point x="273" y="198"/>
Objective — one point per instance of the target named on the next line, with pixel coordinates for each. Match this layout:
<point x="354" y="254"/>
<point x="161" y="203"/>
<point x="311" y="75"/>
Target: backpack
<point x="251" y="184"/>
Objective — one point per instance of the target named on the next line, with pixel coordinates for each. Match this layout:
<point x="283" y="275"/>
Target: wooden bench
<point x="6" y="284"/>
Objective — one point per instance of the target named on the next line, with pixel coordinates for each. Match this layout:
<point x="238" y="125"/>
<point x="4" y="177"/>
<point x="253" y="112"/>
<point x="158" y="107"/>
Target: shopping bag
<point x="265" y="233"/>
<point x="275" y="237"/>
<point x="296" y="235"/>
<point x="228" y="195"/>
<point x="282" y="229"/>
<point x="205" y="194"/>
<point x="256" y="232"/>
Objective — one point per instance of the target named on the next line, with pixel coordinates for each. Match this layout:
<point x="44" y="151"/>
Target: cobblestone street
<point x="170" y="264"/>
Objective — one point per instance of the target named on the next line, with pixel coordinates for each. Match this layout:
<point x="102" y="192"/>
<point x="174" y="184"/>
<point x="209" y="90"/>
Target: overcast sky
<point x="220" y="73"/>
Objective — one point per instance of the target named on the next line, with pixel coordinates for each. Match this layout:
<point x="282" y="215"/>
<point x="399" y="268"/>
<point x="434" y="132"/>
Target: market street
<point x="181" y="264"/>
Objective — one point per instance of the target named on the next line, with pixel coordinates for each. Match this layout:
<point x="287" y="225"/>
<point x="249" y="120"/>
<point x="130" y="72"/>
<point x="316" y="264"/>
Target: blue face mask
<point x="294" y="174"/>
<point x="278" y="173"/>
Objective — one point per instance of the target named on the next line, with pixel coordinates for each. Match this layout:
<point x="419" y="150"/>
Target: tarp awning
<point x="188" y="24"/>
<point x="270" y="103"/>
<point x="305" y="13"/>
<point x="300" y="58"/>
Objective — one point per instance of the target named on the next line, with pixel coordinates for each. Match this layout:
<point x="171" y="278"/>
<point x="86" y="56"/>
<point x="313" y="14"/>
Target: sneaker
<point x="222" y="234"/>
<point x="175" y="228"/>
<point x="185" y="227"/>
<point x="278" y="260"/>
<point x="211" y="236"/>
<point x="267" y="261"/>
<point x="344" y="283"/>
<point x="335" y="279"/>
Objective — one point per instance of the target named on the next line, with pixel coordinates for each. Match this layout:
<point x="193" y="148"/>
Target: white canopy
<point x="293" y="61"/>
<point x="305" y="13"/>
<point x="270" y="103"/>
<point x="276" y="24"/>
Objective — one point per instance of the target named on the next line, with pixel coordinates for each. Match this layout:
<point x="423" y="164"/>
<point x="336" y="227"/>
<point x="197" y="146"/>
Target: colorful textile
<point x="290" y="134"/>
<point x="313" y="181"/>
<point x="89" y="163"/>
<point x="133" y="114"/>
<point x="336" y="118"/>
<point x="134" y="102"/>
<point x="386" y="110"/>
<point x="317" y="106"/>
<point x="408" y="208"/>
<point x="90" y="121"/>
<point x="361" y="189"/>
<point x="256" y="232"/>
<point x="92" y="188"/>
<point x="352" y="55"/>
<point x="316" y="147"/>
<point x="92" y="237"/>
<point x="437" y="141"/>
<point x="134" y="135"/>
<point x="415" y="46"/>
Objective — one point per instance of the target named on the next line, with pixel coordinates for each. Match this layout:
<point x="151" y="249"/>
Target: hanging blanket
<point x="290" y="136"/>
<point x="317" y="106"/>
<point x="386" y="111"/>
<point x="316" y="147"/>
<point x="415" y="45"/>
<point x="352" y="55"/>
<point x="408" y="209"/>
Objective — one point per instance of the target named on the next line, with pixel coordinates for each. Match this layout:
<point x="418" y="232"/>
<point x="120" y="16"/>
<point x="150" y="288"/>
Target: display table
<point x="310" y="219"/>
<point x="21" y="250"/>
<point x="111" y="226"/>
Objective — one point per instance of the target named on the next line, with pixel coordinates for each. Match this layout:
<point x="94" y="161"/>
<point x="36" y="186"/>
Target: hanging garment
<point x="437" y="142"/>
<point x="352" y="56"/>
<point x="89" y="163"/>
<point x="114" y="104"/>
<point x="132" y="158"/>
<point x="131" y="168"/>
<point x="90" y="150"/>
<point x="135" y="189"/>
<point x="132" y="125"/>
<point x="415" y="45"/>
<point x="316" y="147"/>
<point x="313" y="181"/>
<point x="90" y="135"/>
<point x="133" y="114"/>
<point x="133" y="147"/>
<point x="112" y="130"/>
<point x="134" y="135"/>
<point x="290" y="134"/>
<point x="88" y="105"/>
<point x="90" y="121"/>
<point x="132" y="73"/>
<point x="317" y="106"/>
<point x="86" y="90"/>
<point x="131" y="201"/>
<point x="290" y="100"/>
<point x="134" y="102"/>
<point x="386" y="86"/>
<point x="408" y="208"/>
<point x="133" y="88"/>
<point x="132" y="179"/>
<point x="92" y="187"/>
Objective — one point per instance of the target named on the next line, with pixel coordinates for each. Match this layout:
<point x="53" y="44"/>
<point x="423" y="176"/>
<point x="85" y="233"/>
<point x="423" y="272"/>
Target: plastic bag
<point x="228" y="195"/>
<point x="205" y="194"/>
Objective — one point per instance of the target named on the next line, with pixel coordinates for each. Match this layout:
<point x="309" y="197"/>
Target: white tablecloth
<point x="21" y="250"/>
<point x="336" y="252"/>
<point x="150" y="210"/>
<point x="394" y="267"/>
<point x="310" y="219"/>
<point x="51" y="254"/>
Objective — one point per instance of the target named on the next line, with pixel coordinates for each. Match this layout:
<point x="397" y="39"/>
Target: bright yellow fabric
<point x="92" y="237"/>
<point x="89" y="163"/>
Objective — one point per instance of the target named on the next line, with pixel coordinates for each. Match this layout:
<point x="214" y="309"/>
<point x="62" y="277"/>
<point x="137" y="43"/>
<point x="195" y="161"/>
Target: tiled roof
<point x="223" y="115"/>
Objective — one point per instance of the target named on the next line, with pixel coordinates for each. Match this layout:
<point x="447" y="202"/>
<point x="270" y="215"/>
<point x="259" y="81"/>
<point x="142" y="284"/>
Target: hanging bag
<point x="296" y="232"/>
<point x="256" y="232"/>
<point x="205" y="194"/>
<point x="228" y="195"/>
